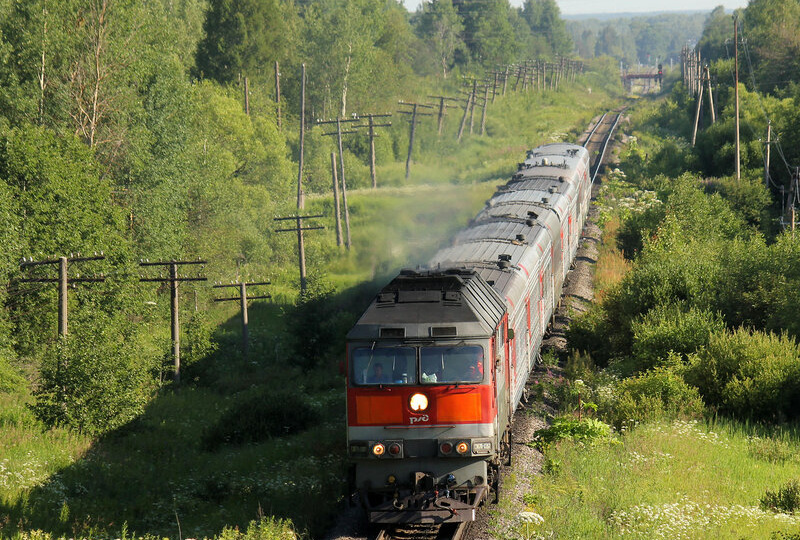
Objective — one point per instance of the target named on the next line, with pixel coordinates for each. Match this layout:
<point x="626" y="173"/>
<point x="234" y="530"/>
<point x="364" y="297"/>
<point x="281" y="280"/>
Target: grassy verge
<point x="665" y="480"/>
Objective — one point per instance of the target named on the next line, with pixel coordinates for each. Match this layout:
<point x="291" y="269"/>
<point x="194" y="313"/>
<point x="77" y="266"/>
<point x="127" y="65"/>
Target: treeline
<point x="645" y="39"/>
<point x="123" y="130"/>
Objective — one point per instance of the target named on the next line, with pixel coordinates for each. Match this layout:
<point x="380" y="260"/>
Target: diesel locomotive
<point x="438" y="362"/>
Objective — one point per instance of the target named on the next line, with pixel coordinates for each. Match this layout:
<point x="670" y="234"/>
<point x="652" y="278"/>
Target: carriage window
<point x="462" y="364"/>
<point x="384" y="365"/>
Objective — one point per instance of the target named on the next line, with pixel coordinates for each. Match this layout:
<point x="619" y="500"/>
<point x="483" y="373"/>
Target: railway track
<point x="455" y="531"/>
<point x="597" y="143"/>
<point x="599" y="138"/>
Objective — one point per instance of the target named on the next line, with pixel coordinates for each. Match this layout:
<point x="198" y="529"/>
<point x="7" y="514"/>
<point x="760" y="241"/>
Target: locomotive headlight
<point x="395" y="449"/>
<point x="418" y="402"/>
<point x="462" y="447"/>
<point x="445" y="447"/>
<point x="378" y="449"/>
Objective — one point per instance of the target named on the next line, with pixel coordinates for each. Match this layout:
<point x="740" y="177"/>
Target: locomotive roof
<point x="419" y="304"/>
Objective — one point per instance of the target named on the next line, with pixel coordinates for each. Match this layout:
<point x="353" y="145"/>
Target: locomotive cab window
<point x="459" y="364"/>
<point x="384" y="365"/>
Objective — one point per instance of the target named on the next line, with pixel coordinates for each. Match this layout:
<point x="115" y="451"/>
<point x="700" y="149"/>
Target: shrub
<point x="749" y="199"/>
<point x="271" y="414"/>
<point x="786" y="499"/>
<point x="93" y="383"/>
<point x="637" y="227"/>
<point x="749" y="374"/>
<point x="588" y="430"/>
<point x="656" y="394"/>
<point x="671" y="328"/>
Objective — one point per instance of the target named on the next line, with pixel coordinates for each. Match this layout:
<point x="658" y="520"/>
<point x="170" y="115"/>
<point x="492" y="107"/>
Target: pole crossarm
<point x="63" y="281"/>
<point x="300" y="244"/>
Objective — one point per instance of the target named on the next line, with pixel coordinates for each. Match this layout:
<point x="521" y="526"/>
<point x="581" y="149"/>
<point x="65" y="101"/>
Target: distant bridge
<point x="629" y="77"/>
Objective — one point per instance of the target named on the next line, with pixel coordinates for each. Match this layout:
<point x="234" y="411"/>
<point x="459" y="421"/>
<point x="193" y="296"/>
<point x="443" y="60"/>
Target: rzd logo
<point x="416" y="419"/>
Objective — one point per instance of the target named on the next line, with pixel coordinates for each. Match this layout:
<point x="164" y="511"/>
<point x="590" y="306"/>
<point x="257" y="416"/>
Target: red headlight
<point x="446" y="447"/>
<point x="394" y="449"/>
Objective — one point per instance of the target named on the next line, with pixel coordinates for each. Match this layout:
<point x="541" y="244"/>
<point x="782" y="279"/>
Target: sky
<point x="579" y="7"/>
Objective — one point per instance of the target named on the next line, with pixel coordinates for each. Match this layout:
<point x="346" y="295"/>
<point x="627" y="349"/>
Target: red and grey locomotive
<point x="438" y="362"/>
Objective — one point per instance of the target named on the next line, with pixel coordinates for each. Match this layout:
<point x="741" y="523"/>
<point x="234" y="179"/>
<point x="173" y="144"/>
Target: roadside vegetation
<point x="685" y="369"/>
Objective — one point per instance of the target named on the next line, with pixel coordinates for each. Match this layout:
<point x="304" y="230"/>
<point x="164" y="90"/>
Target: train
<point x="437" y="364"/>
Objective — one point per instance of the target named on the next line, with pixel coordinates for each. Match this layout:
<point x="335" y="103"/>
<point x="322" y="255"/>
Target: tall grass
<point x="611" y="264"/>
<point x="663" y="480"/>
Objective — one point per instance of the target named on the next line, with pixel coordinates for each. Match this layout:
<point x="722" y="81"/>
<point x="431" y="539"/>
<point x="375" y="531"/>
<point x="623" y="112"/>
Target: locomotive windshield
<point x="407" y="365"/>
<point x="385" y="365"/>
<point x="451" y="364"/>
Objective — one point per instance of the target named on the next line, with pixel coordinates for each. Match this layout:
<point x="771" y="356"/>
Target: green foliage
<point x="786" y="499"/>
<point x="240" y="36"/>
<point x="269" y="414"/>
<point x="586" y="430"/>
<point x="266" y="528"/>
<point x="544" y="19"/>
<point x="671" y="329"/>
<point x="657" y="394"/>
<point x="199" y="339"/>
<point x="93" y="382"/>
<point x="747" y="198"/>
<point x="636" y="228"/>
<point x="317" y="325"/>
<point x="749" y="374"/>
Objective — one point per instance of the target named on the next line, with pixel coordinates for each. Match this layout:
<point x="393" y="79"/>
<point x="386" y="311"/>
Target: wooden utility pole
<point x="278" y="91"/>
<point x="736" y="91"/>
<point x="472" y="108"/>
<point x="242" y="299"/>
<point x="710" y="97"/>
<point x="494" y="85"/>
<point x="174" y="279"/>
<point x="413" y="121"/>
<point x="519" y="74"/>
<point x="336" y="204"/>
<point x="63" y="281"/>
<point x="372" y="125"/>
<point x="467" y="106"/>
<point x="301" y="252"/>
<point x="247" y="96"/>
<point x="505" y="80"/>
<point x="442" y="110"/>
<point x="766" y="154"/>
<point x="483" y="113"/>
<point x="300" y="199"/>
<point x="697" y="115"/>
<point x="339" y="133"/>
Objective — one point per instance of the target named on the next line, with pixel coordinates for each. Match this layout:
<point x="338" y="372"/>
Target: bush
<point x="749" y="374"/>
<point x="654" y="395"/>
<point x="671" y="328"/>
<point x="786" y="499"/>
<point x="271" y="414"/>
<point x="93" y="383"/>
<point x="636" y="228"/>
<point x="588" y="430"/>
